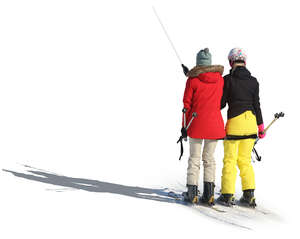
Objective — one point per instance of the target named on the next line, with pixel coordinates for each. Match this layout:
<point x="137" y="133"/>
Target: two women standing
<point x="206" y="93"/>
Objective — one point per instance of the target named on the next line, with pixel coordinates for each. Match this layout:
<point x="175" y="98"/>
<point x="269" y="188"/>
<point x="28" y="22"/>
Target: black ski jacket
<point x="241" y="92"/>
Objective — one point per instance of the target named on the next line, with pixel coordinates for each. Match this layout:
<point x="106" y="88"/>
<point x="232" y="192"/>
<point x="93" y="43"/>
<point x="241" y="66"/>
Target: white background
<point x="93" y="89"/>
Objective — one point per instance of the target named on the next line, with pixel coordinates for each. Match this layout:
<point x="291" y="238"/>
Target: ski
<point x="243" y="207"/>
<point x="180" y="198"/>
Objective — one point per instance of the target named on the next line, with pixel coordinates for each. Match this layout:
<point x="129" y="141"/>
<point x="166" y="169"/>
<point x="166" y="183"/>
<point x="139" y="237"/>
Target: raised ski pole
<point x="167" y="35"/>
<point x="276" y="117"/>
<point x="181" y="137"/>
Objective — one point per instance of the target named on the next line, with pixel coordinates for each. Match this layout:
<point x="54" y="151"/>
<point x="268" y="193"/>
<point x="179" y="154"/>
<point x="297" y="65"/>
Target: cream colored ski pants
<point x="208" y="159"/>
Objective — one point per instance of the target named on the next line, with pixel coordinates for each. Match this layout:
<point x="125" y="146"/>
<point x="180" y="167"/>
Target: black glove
<point x="185" y="69"/>
<point x="184" y="133"/>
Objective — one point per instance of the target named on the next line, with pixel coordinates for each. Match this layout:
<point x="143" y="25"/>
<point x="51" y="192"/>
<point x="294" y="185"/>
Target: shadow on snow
<point x="92" y="185"/>
<point x="96" y="186"/>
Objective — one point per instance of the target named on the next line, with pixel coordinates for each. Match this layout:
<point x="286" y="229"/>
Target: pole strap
<point x="181" y="146"/>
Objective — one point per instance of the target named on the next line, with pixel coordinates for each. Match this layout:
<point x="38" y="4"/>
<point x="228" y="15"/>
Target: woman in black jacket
<point x="241" y="93"/>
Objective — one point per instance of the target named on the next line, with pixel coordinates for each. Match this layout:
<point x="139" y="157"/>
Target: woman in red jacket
<point x="203" y="93"/>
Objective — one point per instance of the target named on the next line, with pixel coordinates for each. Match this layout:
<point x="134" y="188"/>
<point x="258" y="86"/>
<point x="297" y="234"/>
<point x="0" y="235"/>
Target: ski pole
<point x="184" y="117"/>
<point x="181" y="137"/>
<point x="185" y="68"/>
<point x="167" y="35"/>
<point x="189" y="124"/>
<point x="276" y="117"/>
<point x="184" y="120"/>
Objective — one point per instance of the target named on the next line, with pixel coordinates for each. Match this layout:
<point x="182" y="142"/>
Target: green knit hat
<point x="204" y="58"/>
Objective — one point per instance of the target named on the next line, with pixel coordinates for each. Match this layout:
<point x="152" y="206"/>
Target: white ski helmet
<point x="237" y="54"/>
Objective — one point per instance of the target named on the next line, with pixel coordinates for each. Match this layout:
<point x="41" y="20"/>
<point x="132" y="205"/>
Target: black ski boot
<point x="248" y="198"/>
<point x="208" y="193"/>
<point x="226" y="200"/>
<point x="192" y="194"/>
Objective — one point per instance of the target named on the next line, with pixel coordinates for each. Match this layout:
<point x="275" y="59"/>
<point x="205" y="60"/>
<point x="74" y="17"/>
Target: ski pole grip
<point x="276" y="117"/>
<point x="194" y="114"/>
<point x="184" y="110"/>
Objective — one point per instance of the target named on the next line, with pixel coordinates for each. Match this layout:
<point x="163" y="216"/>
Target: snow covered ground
<point x="90" y="111"/>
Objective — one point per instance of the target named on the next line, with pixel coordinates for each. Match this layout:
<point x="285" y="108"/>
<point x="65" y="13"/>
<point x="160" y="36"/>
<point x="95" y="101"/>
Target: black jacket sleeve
<point x="256" y="106"/>
<point x="224" y="99"/>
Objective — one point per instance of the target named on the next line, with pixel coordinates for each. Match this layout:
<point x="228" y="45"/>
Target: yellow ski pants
<point x="238" y="153"/>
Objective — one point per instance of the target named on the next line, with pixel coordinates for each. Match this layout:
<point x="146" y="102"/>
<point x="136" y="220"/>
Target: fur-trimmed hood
<point x="197" y="70"/>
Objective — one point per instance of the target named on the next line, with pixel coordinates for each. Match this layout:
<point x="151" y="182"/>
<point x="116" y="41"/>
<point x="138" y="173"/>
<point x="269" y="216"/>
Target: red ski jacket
<point x="203" y="94"/>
